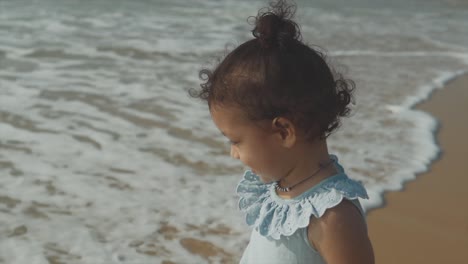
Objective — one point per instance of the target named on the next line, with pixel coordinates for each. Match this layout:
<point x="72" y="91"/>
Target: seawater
<point x="104" y="158"/>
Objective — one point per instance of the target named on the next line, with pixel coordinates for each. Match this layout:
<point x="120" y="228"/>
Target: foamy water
<point x="104" y="158"/>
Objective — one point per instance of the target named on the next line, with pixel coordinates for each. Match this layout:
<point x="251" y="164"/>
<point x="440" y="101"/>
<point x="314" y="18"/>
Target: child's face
<point x="257" y="147"/>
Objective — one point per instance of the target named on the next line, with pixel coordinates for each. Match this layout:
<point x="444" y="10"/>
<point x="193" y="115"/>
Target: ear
<point x="285" y="130"/>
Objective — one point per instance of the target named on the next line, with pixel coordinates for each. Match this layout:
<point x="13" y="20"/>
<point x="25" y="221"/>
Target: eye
<point x="233" y="142"/>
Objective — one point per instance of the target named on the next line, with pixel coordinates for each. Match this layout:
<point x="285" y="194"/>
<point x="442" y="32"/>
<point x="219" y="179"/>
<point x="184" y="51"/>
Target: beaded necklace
<point x="288" y="189"/>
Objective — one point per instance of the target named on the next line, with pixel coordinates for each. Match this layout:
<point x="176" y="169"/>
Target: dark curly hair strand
<point x="276" y="74"/>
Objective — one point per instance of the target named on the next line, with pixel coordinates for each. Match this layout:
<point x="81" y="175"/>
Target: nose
<point x="234" y="153"/>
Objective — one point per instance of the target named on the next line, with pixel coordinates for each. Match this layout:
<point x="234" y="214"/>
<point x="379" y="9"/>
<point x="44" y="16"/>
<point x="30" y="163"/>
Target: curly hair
<point x="276" y="74"/>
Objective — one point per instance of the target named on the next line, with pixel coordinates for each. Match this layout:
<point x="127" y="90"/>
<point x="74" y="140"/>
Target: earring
<point x="276" y="123"/>
<point x="275" y="120"/>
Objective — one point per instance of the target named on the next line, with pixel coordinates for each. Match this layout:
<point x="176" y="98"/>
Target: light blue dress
<point x="279" y="232"/>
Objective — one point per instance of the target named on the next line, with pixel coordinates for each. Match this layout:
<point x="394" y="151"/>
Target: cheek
<point x="275" y="164"/>
<point x="263" y="162"/>
<point x="262" y="156"/>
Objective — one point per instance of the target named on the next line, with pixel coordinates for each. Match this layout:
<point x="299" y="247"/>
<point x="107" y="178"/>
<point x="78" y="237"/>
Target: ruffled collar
<point x="273" y="216"/>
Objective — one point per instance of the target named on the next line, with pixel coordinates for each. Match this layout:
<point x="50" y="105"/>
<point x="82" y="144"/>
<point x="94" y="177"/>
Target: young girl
<point x="276" y="100"/>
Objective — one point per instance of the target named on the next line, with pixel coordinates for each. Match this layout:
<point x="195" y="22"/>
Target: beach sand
<point x="427" y="221"/>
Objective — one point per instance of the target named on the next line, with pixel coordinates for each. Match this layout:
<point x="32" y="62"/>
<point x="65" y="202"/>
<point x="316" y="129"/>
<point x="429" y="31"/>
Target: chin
<point x="265" y="180"/>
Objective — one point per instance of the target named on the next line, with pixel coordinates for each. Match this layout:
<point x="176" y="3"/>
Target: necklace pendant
<point x="279" y="188"/>
<point x="321" y="166"/>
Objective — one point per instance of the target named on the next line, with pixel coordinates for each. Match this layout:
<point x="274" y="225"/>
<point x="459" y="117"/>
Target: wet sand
<point x="427" y="222"/>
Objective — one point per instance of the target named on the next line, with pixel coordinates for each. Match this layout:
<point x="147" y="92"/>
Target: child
<point x="276" y="100"/>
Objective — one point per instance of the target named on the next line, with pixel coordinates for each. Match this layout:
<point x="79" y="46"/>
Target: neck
<point x="310" y="158"/>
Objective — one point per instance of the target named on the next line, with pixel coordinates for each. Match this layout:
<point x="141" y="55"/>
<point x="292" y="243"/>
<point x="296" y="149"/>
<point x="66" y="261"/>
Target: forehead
<point x="232" y="121"/>
<point x="228" y="117"/>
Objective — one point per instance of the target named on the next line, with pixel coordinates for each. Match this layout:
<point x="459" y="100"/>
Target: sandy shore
<point x="427" y="222"/>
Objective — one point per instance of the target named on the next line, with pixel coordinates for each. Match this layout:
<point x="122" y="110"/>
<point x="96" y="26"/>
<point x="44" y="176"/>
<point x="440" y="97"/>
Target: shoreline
<point x="421" y="223"/>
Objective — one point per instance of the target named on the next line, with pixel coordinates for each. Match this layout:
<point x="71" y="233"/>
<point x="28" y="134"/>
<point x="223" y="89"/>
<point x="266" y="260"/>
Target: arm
<point x="340" y="236"/>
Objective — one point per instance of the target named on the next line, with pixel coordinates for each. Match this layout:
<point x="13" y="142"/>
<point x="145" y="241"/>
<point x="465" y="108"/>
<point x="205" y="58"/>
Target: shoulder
<point x="340" y="235"/>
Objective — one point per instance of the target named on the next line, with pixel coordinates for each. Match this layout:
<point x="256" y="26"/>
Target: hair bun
<point x="274" y="27"/>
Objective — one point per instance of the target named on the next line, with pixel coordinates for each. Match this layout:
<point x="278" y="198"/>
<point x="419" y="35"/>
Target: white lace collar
<point x="273" y="216"/>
